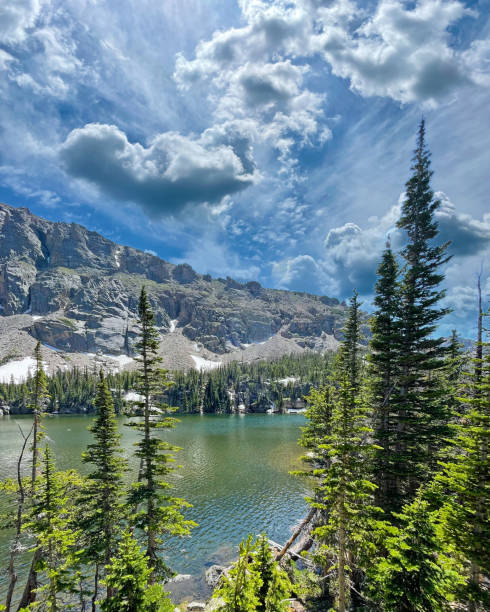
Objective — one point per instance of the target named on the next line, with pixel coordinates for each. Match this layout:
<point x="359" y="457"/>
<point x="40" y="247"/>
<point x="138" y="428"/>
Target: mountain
<point x="77" y="292"/>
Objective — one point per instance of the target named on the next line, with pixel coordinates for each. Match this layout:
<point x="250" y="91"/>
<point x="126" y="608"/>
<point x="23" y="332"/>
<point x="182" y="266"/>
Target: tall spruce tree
<point x="156" y="511"/>
<point x="39" y="397"/>
<point x="100" y="500"/>
<point x="418" y="399"/>
<point x="383" y="377"/>
<point x="466" y="478"/>
<point x="344" y="495"/>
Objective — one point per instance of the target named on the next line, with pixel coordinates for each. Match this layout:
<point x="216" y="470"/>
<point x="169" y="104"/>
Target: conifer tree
<point x="128" y="582"/>
<point x="466" y="478"/>
<point x="275" y="587"/>
<point x="101" y="497"/>
<point x="239" y="588"/>
<point x="157" y="512"/>
<point x="39" y="397"/>
<point x="418" y="399"/>
<point x="344" y="494"/>
<point x="412" y="577"/>
<point x="55" y="539"/>
<point x="383" y="376"/>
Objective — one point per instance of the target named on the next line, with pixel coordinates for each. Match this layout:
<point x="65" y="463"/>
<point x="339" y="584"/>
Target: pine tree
<point x="128" y="582"/>
<point x="466" y="478"/>
<point x="418" y="399"/>
<point x="344" y="495"/>
<point x="39" y="397"/>
<point x="275" y="587"/>
<point x="55" y="539"/>
<point x="383" y="377"/>
<point x="157" y="512"/>
<point x="412" y="577"/>
<point x="239" y="588"/>
<point x="101" y="497"/>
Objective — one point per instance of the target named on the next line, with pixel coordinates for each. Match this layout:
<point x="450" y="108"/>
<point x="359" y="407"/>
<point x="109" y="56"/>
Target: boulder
<point x="213" y="575"/>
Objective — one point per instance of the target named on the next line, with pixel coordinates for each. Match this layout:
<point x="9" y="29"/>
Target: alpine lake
<point x="234" y="471"/>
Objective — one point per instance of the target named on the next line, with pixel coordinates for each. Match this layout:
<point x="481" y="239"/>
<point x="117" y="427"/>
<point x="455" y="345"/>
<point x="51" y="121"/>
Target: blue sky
<point x="260" y="140"/>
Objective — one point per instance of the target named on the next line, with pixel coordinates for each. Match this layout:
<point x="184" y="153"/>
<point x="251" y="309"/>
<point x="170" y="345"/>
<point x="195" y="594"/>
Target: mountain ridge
<point x="76" y="291"/>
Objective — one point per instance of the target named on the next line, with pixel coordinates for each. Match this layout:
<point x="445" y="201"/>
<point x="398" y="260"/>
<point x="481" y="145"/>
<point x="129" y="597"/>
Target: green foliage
<point x="128" y="579"/>
<point x="412" y="576"/>
<point x="240" y="588"/>
<point x="418" y="400"/>
<point x="340" y="456"/>
<point x="101" y="498"/>
<point x="276" y="586"/>
<point x="156" y="511"/>
<point x="39" y="397"/>
<point x="466" y="480"/>
<point x="56" y="540"/>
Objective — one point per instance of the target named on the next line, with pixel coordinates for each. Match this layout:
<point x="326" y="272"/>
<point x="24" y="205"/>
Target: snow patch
<point x="286" y="381"/>
<point x="205" y="364"/>
<point x="19" y="370"/>
<point x="132" y="396"/>
<point x="121" y="359"/>
<point x="36" y="318"/>
<point x="28" y="311"/>
<point x="116" y="257"/>
<point x="173" y="325"/>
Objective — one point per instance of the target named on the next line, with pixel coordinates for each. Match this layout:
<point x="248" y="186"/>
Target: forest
<point x="395" y="449"/>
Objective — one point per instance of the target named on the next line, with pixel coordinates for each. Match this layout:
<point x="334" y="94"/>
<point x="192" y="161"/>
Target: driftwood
<point x="295" y="535"/>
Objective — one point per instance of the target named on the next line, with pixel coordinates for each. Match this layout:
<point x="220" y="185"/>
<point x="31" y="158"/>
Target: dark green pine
<point x="156" y="512"/>
<point x="101" y="499"/>
<point x="418" y="400"/>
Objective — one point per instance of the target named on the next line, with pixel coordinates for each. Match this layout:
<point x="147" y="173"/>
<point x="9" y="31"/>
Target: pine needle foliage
<point x="39" y="397"/>
<point x="466" y="479"/>
<point x="128" y="581"/>
<point x="157" y="513"/>
<point x="418" y="399"/>
<point x="101" y="498"/>
<point x="56" y="540"/>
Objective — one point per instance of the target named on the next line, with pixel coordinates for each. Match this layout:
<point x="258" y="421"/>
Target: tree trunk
<point x="29" y="594"/>
<point x="296" y="533"/>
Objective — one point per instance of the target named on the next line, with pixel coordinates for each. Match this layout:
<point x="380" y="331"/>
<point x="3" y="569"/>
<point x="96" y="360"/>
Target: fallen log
<point x="296" y="533"/>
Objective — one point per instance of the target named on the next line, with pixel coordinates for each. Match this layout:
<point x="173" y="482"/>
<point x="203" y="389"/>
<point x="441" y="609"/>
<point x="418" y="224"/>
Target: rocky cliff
<point x="77" y="293"/>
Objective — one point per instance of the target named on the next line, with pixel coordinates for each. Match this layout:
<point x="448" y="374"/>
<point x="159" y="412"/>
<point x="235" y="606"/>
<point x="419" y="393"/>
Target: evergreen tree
<point x="412" y="577"/>
<point x="55" y="539"/>
<point x="344" y="495"/>
<point x="39" y="397"/>
<point x="239" y="588"/>
<point x="383" y="377"/>
<point x="466" y="478"/>
<point x="275" y="587"/>
<point x="157" y="512"/>
<point x="128" y="578"/>
<point x="418" y="400"/>
<point x="101" y="497"/>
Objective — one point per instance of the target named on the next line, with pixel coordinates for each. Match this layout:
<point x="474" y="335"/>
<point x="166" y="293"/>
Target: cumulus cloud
<point x="468" y="236"/>
<point x="352" y="253"/>
<point x="301" y="273"/>
<point x="173" y="171"/>
<point x="403" y="52"/>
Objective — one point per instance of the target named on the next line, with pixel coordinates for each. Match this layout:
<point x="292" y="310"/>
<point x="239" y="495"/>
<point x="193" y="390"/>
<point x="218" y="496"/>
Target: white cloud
<point x="16" y="18"/>
<point x="164" y="177"/>
<point x="401" y="52"/>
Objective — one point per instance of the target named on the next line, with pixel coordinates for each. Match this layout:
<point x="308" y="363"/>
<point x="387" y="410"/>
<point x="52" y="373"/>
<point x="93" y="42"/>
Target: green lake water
<point x="234" y="472"/>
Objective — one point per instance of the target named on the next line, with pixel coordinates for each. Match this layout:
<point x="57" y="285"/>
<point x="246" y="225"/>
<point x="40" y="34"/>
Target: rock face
<point x="81" y="290"/>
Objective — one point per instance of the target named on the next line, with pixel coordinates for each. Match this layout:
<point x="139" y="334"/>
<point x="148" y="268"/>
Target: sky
<point x="260" y="140"/>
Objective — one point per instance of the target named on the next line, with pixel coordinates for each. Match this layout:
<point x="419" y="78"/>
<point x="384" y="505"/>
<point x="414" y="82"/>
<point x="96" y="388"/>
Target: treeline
<point x="257" y="386"/>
